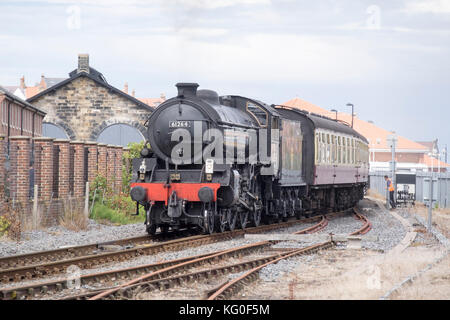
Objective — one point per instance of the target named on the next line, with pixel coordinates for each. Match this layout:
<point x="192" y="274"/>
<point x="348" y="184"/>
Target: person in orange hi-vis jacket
<point x="390" y="187"/>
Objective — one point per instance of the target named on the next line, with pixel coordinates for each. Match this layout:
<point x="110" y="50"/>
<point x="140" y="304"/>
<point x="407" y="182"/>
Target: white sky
<point x="389" y="58"/>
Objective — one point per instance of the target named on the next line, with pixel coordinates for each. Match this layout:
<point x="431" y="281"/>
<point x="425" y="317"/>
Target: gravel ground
<point x="272" y="272"/>
<point x="387" y="228"/>
<point x="58" y="236"/>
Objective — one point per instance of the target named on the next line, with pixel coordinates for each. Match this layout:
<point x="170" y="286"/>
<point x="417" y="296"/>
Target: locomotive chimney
<point x="187" y="89"/>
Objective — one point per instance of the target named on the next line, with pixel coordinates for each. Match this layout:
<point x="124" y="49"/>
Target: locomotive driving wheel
<point x="256" y="214"/>
<point x="221" y="220"/>
<point x="243" y="219"/>
<point x="210" y="217"/>
<point x="231" y="219"/>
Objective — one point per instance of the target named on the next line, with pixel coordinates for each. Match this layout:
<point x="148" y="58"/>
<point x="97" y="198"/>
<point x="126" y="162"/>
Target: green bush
<point x="103" y="212"/>
<point x="4" y="226"/>
<point x="134" y="152"/>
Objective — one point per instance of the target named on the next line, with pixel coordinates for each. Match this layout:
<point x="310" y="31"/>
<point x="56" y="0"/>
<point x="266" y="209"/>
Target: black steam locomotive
<point x="224" y="162"/>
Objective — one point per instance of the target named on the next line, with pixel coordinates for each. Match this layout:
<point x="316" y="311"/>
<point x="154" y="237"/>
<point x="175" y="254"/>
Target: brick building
<point x="18" y="117"/>
<point x="84" y="105"/>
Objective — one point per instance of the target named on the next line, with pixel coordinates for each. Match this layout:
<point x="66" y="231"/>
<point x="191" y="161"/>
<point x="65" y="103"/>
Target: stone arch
<point x="62" y="125"/>
<point x="107" y="123"/>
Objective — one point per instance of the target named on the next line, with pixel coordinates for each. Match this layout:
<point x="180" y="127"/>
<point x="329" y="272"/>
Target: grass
<point x="102" y="213"/>
<point x="74" y="220"/>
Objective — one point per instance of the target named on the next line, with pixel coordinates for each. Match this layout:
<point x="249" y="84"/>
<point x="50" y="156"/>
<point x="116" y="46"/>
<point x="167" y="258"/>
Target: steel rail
<point x="170" y="270"/>
<point x="229" y="288"/>
<point x="28" y="272"/>
<point x="367" y="224"/>
<point x="138" y="284"/>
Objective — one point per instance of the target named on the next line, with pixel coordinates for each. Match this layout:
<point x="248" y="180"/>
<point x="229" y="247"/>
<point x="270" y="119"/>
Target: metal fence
<point x="441" y="186"/>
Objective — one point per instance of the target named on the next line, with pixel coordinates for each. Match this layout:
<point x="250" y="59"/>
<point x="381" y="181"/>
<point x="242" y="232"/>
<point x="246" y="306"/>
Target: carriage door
<point x="275" y="144"/>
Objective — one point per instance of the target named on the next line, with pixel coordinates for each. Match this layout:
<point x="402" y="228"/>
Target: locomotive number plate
<point x="179" y="124"/>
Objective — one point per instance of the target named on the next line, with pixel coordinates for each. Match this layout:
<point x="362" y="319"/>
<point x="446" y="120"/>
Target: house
<point x="85" y="106"/>
<point x="19" y="117"/>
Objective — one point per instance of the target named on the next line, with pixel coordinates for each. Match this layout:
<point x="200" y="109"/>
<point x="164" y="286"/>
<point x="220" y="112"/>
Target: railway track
<point x="162" y="269"/>
<point x="231" y="287"/>
<point x="49" y="263"/>
<point x="137" y="286"/>
<point x="367" y="226"/>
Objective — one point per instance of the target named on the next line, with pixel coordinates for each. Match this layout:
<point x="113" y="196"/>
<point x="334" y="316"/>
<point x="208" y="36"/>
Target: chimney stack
<point x="83" y="63"/>
<point x="163" y="96"/>
<point x="133" y="93"/>
<point x="22" y="82"/>
<point x="125" y="88"/>
<point x="187" y="89"/>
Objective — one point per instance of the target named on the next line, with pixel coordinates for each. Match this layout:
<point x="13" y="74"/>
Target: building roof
<point x="20" y="101"/>
<point x="95" y="76"/>
<point x="153" y="102"/>
<point x="377" y="136"/>
<point x="50" y="82"/>
<point x="434" y="163"/>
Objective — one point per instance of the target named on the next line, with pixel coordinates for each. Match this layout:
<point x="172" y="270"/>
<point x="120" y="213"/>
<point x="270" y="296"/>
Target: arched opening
<point x="53" y="131"/>
<point x="120" y="134"/>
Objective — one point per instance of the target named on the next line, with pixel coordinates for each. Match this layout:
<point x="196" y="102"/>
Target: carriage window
<point x="316" y="148"/>
<point x="328" y="149"/>
<point x="259" y="113"/>
<point x="333" y="148"/>
<point x="339" y="150"/>
<point x="348" y="150"/>
<point x="344" y="151"/>
<point x="353" y="151"/>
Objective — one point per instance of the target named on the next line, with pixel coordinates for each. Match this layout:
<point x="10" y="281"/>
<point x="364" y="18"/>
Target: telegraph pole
<point x="430" y="206"/>
<point x="446" y="177"/>
<point x="393" y="141"/>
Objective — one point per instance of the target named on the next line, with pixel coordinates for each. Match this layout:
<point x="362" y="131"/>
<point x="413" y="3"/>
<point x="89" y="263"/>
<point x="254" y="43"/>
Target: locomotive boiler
<point x="220" y="162"/>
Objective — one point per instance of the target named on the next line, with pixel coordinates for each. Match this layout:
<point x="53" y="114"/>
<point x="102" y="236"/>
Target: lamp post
<point x="444" y="152"/>
<point x="333" y="110"/>
<point x="430" y="207"/>
<point x="348" y="105"/>
<point x="392" y="139"/>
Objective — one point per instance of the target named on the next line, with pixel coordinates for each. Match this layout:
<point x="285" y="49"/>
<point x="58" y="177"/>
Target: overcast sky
<point x="389" y="58"/>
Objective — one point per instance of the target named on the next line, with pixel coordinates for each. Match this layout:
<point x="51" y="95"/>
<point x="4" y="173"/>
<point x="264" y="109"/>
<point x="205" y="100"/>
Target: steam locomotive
<point x="218" y="163"/>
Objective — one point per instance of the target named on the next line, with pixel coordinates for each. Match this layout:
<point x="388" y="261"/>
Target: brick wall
<point x="2" y="170"/>
<point x="53" y="172"/>
<point x="20" y="168"/>
<point x="111" y="166"/>
<point x="102" y="154"/>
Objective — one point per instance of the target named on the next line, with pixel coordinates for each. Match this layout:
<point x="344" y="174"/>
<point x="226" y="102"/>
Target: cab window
<point x="258" y="113"/>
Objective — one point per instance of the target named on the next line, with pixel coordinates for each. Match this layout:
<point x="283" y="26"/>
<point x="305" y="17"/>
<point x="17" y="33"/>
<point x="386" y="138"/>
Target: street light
<point x="348" y="105"/>
<point x="333" y="110"/>
<point x="430" y="207"/>
<point x="444" y="153"/>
